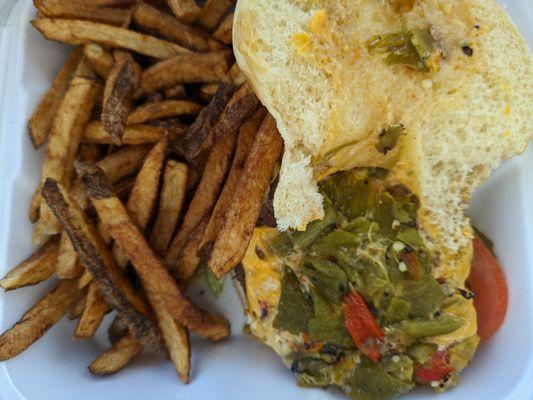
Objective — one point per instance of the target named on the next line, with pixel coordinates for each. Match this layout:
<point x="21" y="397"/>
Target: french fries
<point x="233" y="239"/>
<point x="177" y="92"/>
<point x="116" y="330"/>
<point x="151" y="20"/>
<point x="41" y="119"/>
<point x="67" y="266"/>
<point x="205" y="196"/>
<point x="188" y="68"/>
<point x="84" y="32"/>
<point x="77" y="308"/>
<point x="212" y="14"/>
<point x="71" y="117"/>
<point x="94" y="311"/>
<point x="116" y="357"/>
<point x="67" y="9"/>
<point x="103" y="3"/>
<point x="162" y="291"/>
<point x="163" y="109"/>
<point x="38" y="319"/>
<point x="173" y="193"/>
<point x="189" y="258"/>
<point x="185" y="10"/>
<point x="120" y="86"/>
<point x="224" y="32"/>
<point x="92" y="251"/>
<point x="33" y="270"/>
<point x="133" y="134"/>
<point x="101" y="59"/>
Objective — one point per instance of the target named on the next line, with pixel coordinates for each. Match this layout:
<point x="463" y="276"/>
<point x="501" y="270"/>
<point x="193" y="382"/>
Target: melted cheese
<point x="464" y="310"/>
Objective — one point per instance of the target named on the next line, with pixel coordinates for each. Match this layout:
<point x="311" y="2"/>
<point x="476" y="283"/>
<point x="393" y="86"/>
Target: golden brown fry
<point x="151" y="20"/>
<point x="84" y="32"/>
<point x="185" y="10"/>
<point x="100" y="58"/>
<point x="93" y="313"/>
<point x="121" y="84"/>
<point x="189" y="258"/>
<point x="208" y="90"/>
<point x="77" y="308"/>
<point x="103" y="3"/>
<point x="205" y="196"/>
<point x="163" y="109"/>
<point x="35" y="206"/>
<point x="134" y="134"/>
<point x="38" y="319"/>
<point x="177" y="342"/>
<point x="41" y="119"/>
<point x="224" y="32"/>
<point x="69" y="10"/>
<point x="116" y="330"/>
<point x="33" y="270"/>
<point x="67" y="266"/>
<point x="93" y="253"/>
<point x="143" y="197"/>
<point x="212" y="14"/>
<point x="177" y="92"/>
<point x="117" y="356"/>
<point x="65" y="135"/>
<point x="233" y="239"/>
<point x="173" y="194"/>
<point x="244" y="144"/>
<point x="188" y="68"/>
<point x="90" y="152"/>
<point x="161" y="290"/>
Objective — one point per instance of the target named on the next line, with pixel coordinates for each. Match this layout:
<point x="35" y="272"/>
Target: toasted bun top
<point x="331" y="97"/>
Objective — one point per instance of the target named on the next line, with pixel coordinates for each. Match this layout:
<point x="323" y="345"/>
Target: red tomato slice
<point x="488" y="283"/>
<point x="437" y="369"/>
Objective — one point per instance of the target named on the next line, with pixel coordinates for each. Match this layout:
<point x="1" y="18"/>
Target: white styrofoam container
<point x="54" y="368"/>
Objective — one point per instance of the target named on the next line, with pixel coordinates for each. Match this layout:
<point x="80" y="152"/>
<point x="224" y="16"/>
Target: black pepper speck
<point x="467" y="51"/>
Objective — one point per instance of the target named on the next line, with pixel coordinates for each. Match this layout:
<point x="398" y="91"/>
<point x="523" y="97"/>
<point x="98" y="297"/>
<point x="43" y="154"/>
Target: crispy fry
<point x="189" y="258"/>
<point x="161" y="290"/>
<point x="41" y="119"/>
<point x="205" y="196"/>
<point x="143" y="197"/>
<point x="244" y="144"/>
<point x="116" y="330"/>
<point x="121" y="84"/>
<point x="35" y="206"/>
<point x="243" y="212"/>
<point x="185" y="10"/>
<point x="101" y="59"/>
<point x="103" y="3"/>
<point x="213" y="13"/>
<point x="67" y="9"/>
<point x="67" y="266"/>
<point x="65" y="135"/>
<point x="93" y="313"/>
<point x="177" y="92"/>
<point x="84" y="32"/>
<point x="177" y="342"/>
<point x="208" y="90"/>
<point x="93" y="253"/>
<point x="153" y="21"/>
<point x="116" y="357"/>
<point x="224" y="32"/>
<point x="173" y="194"/>
<point x="163" y="109"/>
<point x="38" y="319"/>
<point x="241" y="105"/>
<point x="33" y="270"/>
<point x="134" y="134"/>
<point x="188" y="68"/>
<point x="77" y="308"/>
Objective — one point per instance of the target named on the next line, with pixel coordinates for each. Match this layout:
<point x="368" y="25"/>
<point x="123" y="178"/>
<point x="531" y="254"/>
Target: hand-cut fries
<point x="163" y="109"/>
<point x="189" y="258"/>
<point x="94" y="255"/>
<point x="71" y="117"/>
<point x="242" y="215"/>
<point x="188" y="68"/>
<point x="77" y="308"/>
<point x="224" y="32"/>
<point x="185" y="10"/>
<point x="116" y="357"/>
<point x="121" y="84"/>
<point x="153" y="21"/>
<point x="41" y="119"/>
<point x="67" y="266"/>
<point x="67" y="9"/>
<point x="94" y="311"/>
<point x="33" y="270"/>
<point x="103" y="3"/>
<point x="38" y="319"/>
<point x="173" y="193"/>
<point x="117" y="330"/>
<point x="205" y="196"/>
<point x="177" y="92"/>
<point x="83" y="32"/>
<point x="161" y="290"/>
<point x="212" y="14"/>
<point x="101" y="59"/>
<point x="133" y="134"/>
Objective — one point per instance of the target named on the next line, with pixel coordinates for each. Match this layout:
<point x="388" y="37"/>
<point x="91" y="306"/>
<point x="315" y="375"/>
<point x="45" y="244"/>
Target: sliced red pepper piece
<point x="362" y="326"/>
<point x="438" y="368"/>
<point x="414" y="268"/>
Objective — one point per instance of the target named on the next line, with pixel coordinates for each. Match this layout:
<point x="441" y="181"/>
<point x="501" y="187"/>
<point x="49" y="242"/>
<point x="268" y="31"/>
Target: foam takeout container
<point x="54" y="368"/>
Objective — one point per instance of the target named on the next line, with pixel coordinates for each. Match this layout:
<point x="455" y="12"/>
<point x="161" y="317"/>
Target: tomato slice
<point x="362" y="326"/>
<point x="437" y="369"/>
<point x="488" y="283"/>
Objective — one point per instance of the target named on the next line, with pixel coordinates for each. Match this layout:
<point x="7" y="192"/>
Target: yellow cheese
<point x="463" y="309"/>
<point x="300" y="41"/>
<point x="317" y="24"/>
